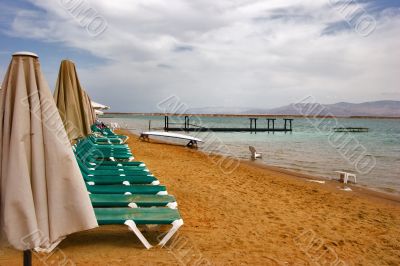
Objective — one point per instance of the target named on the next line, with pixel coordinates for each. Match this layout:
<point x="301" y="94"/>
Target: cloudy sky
<point x="237" y="53"/>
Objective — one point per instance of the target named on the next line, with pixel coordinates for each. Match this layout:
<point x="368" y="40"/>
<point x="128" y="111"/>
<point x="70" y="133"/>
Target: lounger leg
<point x="50" y="248"/>
<point x="175" y="226"/>
<point x="132" y="226"/>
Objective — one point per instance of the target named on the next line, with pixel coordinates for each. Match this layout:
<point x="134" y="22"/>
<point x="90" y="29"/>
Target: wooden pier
<point x="269" y="127"/>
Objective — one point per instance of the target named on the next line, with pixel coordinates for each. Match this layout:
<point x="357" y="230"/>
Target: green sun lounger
<point x="106" y="141"/>
<point x="133" y="201"/>
<point x="104" y="163"/>
<point x="120" y="180"/>
<point x="122" y="192"/>
<point x="97" y="129"/>
<point x="96" y="154"/>
<point x="99" y="155"/>
<point x="100" y="166"/>
<point x="108" y="133"/>
<point x="139" y="215"/>
<point x="91" y="141"/>
<point x="88" y="158"/>
<point x="89" y="147"/>
<point x="89" y="167"/>
<point x="112" y="171"/>
<point x="84" y="147"/>
<point x="111" y="136"/>
<point x="100" y="135"/>
<point x="114" y="158"/>
<point x="94" y="128"/>
<point x="116" y="172"/>
<point x="93" y="162"/>
<point x="128" y="190"/>
<point x="131" y="217"/>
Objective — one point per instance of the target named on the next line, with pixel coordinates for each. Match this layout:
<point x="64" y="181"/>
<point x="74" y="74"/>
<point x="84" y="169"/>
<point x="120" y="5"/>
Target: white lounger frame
<point x="175" y="226"/>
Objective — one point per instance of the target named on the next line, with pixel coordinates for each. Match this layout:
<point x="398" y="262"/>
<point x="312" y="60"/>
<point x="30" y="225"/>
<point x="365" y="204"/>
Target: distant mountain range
<point x="377" y="108"/>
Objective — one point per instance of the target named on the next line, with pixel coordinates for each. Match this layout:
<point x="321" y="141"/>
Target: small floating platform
<point x="351" y="129"/>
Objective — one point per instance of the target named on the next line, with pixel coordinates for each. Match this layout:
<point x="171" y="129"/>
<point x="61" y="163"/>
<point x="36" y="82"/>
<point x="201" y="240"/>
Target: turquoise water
<point x="311" y="148"/>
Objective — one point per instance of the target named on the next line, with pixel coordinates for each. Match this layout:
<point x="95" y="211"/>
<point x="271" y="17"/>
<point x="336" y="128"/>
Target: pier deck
<point x="226" y="129"/>
<point x="253" y="126"/>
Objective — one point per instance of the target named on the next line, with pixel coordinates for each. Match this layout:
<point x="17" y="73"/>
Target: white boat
<point x="192" y="140"/>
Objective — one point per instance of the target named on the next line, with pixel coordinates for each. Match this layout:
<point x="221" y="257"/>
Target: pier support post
<point x="268" y="124"/>
<point x="166" y="123"/>
<point x="186" y="122"/>
<point x="290" y="124"/>
<point x="251" y="124"/>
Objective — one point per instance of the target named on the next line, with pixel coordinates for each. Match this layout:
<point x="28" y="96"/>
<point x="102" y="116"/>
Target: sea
<point x="313" y="147"/>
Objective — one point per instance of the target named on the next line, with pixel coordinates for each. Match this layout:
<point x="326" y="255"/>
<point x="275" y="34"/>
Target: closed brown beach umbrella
<point x="42" y="192"/>
<point x="71" y="102"/>
<point x="90" y="111"/>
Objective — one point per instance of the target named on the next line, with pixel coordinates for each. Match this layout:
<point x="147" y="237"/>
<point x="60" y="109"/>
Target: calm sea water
<point x="311" y="148"/>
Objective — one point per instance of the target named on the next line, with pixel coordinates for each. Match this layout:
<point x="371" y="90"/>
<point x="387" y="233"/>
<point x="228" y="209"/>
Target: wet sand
<point x="254" y="215"/>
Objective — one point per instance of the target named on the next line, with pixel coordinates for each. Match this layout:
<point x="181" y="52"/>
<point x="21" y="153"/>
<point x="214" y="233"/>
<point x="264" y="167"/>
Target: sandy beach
<point x="254" y="215"/>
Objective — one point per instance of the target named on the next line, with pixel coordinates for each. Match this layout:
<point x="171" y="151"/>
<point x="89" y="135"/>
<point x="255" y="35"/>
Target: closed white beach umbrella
<point x="98" y="112"/>
<point x="43" y="197"/>
<point x="99" y="106"/>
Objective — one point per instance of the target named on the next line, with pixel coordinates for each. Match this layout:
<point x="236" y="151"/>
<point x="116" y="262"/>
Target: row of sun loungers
<point x="123" y="191"/>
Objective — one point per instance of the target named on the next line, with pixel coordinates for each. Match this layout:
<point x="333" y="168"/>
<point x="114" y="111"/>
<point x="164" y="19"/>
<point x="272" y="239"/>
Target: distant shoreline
<point x="249" y="115"/>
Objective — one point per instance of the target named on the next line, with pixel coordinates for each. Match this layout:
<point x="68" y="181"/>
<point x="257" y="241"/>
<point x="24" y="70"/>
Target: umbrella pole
<point x="27" y="257"/>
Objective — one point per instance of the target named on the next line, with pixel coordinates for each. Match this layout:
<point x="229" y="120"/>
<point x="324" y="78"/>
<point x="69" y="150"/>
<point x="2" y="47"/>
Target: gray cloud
<point x="164" y="66"/>
<point x="183" y="48"/>
<point x="224" y="53"/>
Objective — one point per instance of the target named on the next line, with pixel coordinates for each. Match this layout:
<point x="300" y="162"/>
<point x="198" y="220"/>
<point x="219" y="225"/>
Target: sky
<point x="132" y="55"/>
